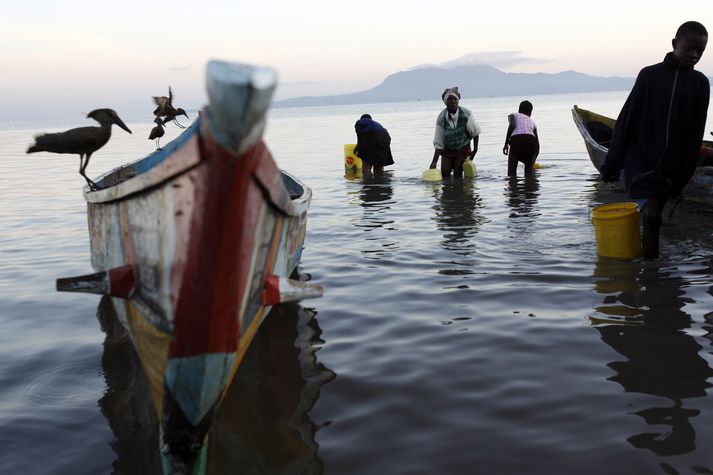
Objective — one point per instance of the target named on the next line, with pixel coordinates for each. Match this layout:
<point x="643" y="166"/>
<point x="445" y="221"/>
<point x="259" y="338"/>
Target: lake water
<point x="467" y="327"/>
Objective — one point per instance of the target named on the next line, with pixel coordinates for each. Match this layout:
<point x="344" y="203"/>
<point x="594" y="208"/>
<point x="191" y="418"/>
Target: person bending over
<point x="521" y="141"/>
<point x="373" y="145"/>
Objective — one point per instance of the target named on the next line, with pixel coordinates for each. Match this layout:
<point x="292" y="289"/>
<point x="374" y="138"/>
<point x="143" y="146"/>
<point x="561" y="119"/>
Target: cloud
<point x="498" y="59"/>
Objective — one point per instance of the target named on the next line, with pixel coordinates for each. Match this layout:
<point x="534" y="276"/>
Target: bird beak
<point x="121" y="124"/>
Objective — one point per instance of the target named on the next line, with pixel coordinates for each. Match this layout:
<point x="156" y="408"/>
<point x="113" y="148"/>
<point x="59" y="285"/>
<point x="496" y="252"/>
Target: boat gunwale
<point x="577" y="114"/>
<point x="163" y="171"/>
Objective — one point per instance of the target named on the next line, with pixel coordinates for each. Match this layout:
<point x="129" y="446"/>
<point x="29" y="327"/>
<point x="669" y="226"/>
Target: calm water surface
<point x="467" y="326"/>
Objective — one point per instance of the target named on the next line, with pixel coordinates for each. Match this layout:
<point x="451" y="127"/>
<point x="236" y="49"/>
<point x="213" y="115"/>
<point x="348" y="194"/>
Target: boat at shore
<point x="597" y="130"/>
<point x="194" y="244"/>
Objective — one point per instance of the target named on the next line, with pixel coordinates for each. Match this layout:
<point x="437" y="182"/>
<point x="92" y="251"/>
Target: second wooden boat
<point x="597" y="130"/>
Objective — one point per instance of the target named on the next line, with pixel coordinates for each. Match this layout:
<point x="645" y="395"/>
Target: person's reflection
<point x="521" y="197"/>
<point x="377" y="193"/>
<point x="376" y="200"/>
<point x="457" y="214"/>
<point x="263" y="425"/>
<point x="521" y="194"/>
<point x="642" y="319"/>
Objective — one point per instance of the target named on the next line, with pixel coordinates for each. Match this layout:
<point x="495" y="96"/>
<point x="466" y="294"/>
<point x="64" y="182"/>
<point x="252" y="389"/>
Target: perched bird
<point x="157" y="132"/>
<point x="165" y="109"/>
<point x="82" y="140"/>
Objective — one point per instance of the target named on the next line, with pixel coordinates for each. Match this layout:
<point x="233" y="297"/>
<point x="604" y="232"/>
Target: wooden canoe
<point x="195" y="243"/>
<point x="596" y="130"/>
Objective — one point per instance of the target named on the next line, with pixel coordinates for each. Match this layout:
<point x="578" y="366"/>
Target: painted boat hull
<point x="279" y="370"/>
<point x="194" y="244"/>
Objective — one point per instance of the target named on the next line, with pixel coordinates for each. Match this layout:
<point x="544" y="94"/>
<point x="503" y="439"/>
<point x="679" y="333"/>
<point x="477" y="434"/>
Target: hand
<point x="472" y="155"/>
<point x="433" y="165"/>
<point x="506" y="149"/>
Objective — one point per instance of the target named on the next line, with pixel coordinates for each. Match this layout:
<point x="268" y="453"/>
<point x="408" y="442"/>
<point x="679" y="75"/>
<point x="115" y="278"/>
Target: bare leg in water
<point x="452" y="164"/>
<point x="447" y="166"/>
<point x="651" y="221"/>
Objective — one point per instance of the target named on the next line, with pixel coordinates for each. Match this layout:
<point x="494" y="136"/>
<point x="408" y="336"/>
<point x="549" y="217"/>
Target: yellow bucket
<point x="432" y="174"/>
<point x="616" y="227"/>
<point x="352" y="163"/>
<point x="469" y="169"/>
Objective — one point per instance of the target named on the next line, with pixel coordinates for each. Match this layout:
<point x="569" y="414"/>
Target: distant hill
<point x="473" y="81"/>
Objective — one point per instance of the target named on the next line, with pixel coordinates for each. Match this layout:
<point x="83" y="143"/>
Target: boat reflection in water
<point x="642" y="319"/>
<point x="263" y="425"/>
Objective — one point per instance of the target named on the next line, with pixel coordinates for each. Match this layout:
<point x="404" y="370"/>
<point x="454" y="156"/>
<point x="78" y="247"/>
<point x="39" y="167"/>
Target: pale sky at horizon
<point x="83" y="55"/>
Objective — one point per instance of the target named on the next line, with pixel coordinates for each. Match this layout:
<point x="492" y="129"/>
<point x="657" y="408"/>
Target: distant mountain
<point x="473" y="81"/>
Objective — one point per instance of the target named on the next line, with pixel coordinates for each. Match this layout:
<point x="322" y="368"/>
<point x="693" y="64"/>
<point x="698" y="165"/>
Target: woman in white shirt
<point x="455" y="127"/>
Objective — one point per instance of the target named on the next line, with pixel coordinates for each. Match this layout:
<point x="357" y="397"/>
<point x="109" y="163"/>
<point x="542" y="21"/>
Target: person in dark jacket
<point x="657" y="136"/>
<point x="373" y="145"/>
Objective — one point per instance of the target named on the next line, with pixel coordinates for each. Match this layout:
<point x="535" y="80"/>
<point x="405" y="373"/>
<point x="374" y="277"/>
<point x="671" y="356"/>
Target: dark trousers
<point x="651" y="223"/>
<point x="523" y="148"/>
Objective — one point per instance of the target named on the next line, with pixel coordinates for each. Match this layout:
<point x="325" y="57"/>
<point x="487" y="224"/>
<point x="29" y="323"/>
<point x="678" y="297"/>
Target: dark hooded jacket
<point x="658" y="134"/>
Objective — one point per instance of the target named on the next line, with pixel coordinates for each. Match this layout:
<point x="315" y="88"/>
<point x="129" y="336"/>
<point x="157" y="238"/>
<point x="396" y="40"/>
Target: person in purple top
<point x="373" y="145"/>
<point x="521" y="141"/>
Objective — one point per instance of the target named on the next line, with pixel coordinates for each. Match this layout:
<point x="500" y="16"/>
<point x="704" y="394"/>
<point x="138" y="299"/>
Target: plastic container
<point x="616" y="227"/>
<point x="469" y="169"/>
<point x="352" y="163"/>
<point x="432" y="174"/>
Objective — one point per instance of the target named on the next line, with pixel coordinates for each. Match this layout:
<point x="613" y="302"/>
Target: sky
<point x="65" y="57"/>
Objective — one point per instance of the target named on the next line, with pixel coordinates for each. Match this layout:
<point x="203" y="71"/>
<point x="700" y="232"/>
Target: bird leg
<point x="92" y="186"/>
<point x="82" y="167"/>
<point x="158" y="147"/>
<point x="179" y="125"/>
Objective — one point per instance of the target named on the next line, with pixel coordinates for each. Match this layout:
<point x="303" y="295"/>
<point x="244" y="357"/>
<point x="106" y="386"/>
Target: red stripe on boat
<point x="271" y="295"/>
<point x="121" y="281"/>
<point x="216" y="270"/>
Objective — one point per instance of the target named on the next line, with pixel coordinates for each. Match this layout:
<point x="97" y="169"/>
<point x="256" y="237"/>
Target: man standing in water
<point x="657" y="136"/>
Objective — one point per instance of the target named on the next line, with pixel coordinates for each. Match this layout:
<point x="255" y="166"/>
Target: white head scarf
<point x="451" y="91"/>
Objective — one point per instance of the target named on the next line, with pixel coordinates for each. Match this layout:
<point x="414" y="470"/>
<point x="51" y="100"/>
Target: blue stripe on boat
<point x="196" y="382"/>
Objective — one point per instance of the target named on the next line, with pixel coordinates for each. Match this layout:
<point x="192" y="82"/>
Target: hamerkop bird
<point x="157" y="132"/>
<point x="165" y="109"/>
<point x="82" y="140"/>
